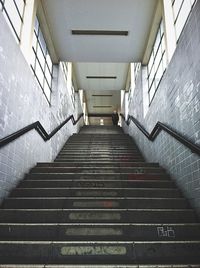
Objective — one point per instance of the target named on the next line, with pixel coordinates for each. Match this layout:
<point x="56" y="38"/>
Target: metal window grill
<point x="157" y="63"/>
<point x="41" y="65"/>
<point x="14" y="13"/>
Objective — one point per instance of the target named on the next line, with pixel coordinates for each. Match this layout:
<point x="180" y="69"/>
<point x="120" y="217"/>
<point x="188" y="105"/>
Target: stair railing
<point x="39" y="128"/>
<point x="156" y="130"/>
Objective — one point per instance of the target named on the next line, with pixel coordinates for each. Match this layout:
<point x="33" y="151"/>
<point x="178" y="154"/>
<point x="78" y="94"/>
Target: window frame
<point x="72" y="89"/>
<point x="40" y="54"/>
<point x="156" y="62"/>
<point x="73" y="94"/>
<point x="9" y="19"/>
<point x="176" y="15"/>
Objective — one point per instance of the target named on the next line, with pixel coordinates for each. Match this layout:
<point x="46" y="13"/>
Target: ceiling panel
<point x="134" y="16"/>
<point x="82" y="70"/>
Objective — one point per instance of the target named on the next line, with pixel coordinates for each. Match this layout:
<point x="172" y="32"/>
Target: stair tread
<point x="99" y="204"/>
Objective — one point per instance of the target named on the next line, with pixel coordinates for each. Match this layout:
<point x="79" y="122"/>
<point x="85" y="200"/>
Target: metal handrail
<point x="39" y="128"/>
<point x="156" y="130"/>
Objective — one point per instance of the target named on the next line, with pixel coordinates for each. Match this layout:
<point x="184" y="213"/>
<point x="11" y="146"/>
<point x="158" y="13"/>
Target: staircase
<point x="99" y="204"/>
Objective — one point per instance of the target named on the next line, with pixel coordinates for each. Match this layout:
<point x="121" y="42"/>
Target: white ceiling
<point x="119" y="70"/>
<point x="100" y="55"/>
<point x="101" y="86"/>
<point x="132" y="15"/>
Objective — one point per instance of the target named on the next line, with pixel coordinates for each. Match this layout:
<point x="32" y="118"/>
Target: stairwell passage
<point x="99" y="204"/>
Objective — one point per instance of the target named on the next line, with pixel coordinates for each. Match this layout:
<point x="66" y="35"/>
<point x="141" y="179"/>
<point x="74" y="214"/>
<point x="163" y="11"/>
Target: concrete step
<point x="119" y="157"/>
<point x="99" y="151"/>
<point x="96" y="159"/>
<point x="106" y="203"/>
<point x="97" y="164"/>
<point x="102" y="155"/>
<point x="96" y="192"/>
<point x="92" y="169"/>
<point x="100" y="266"/>
<point x="101" y="141"/>
<point x="97" y="216"/>
<point x="104" y="145"/>
<point x="98" y="205"/>
<point x="99" y="232"/>
<point x="99" y="176"/>
<point x="105" y="142"/>
<point x="101" y="147"/>
<point x="96" y="183"/>
<point x="137" y="252"/>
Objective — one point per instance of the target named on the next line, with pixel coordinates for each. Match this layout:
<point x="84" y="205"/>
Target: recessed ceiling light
<point x="99" y="32"/>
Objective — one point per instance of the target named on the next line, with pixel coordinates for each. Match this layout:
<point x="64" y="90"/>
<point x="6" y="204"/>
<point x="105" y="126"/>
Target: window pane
<point x="156" y="44"/>
<point x="161" y="28"/>
<point x="158" y="58"/>
<point x="48" y="76"/>
<point x="177" y="6"/>
<point x="182" y="17"/>
<point x="163" y="44"/>
<point x="151" y="77"/>
<point x="13" y="12"/>
<point x="158" y="75"/>
<point x="14" y="18"/>
<point x="150" y="62"/>
<point x="164" y="62"/>
<point x="36" y="26"/>
<point x="40" y="56"/>
<point x="49" y="62"/>
<point x="34" y="42"/>
<point x="65" y="71"/>
<point x="181" y="9"/>
<point x="156" y="61"/>
<point x="39" y="73"/>
<point x="33" y="59"/>
<point x="152" y="92"/>
<point x="47" y="90"/>
<point x="42" y="42"/>
<point x="20" y="6"/>
<point x="41" y="61"/>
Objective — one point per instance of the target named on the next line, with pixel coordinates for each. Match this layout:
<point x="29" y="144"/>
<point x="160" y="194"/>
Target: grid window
<point x="129" y="91"/>
<point x="73" y="94"/>
<point x="157" y="62"/>
<point x="132" y="84"/>
<point x="13" y="11"/>
<point x="41" y="62"/>
<point x="181" y="11"/>
<point x="72" y="90"/>
<point x="65" y="69"/>
<point x="137" y="66"/>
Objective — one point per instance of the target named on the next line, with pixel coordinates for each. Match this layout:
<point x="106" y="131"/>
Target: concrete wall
<point x="177" y="104"/>
<point x="21" y="103"/>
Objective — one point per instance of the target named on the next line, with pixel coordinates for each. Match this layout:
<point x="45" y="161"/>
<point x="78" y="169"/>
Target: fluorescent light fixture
<point x="101" y="77"/>
<point x="99" y="32"/>
<point x="102" y="106"/>
<point x="95" y="95"/>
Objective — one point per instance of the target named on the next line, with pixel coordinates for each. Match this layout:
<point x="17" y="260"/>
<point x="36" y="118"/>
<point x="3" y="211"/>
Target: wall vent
<point x="99" y="32"/>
